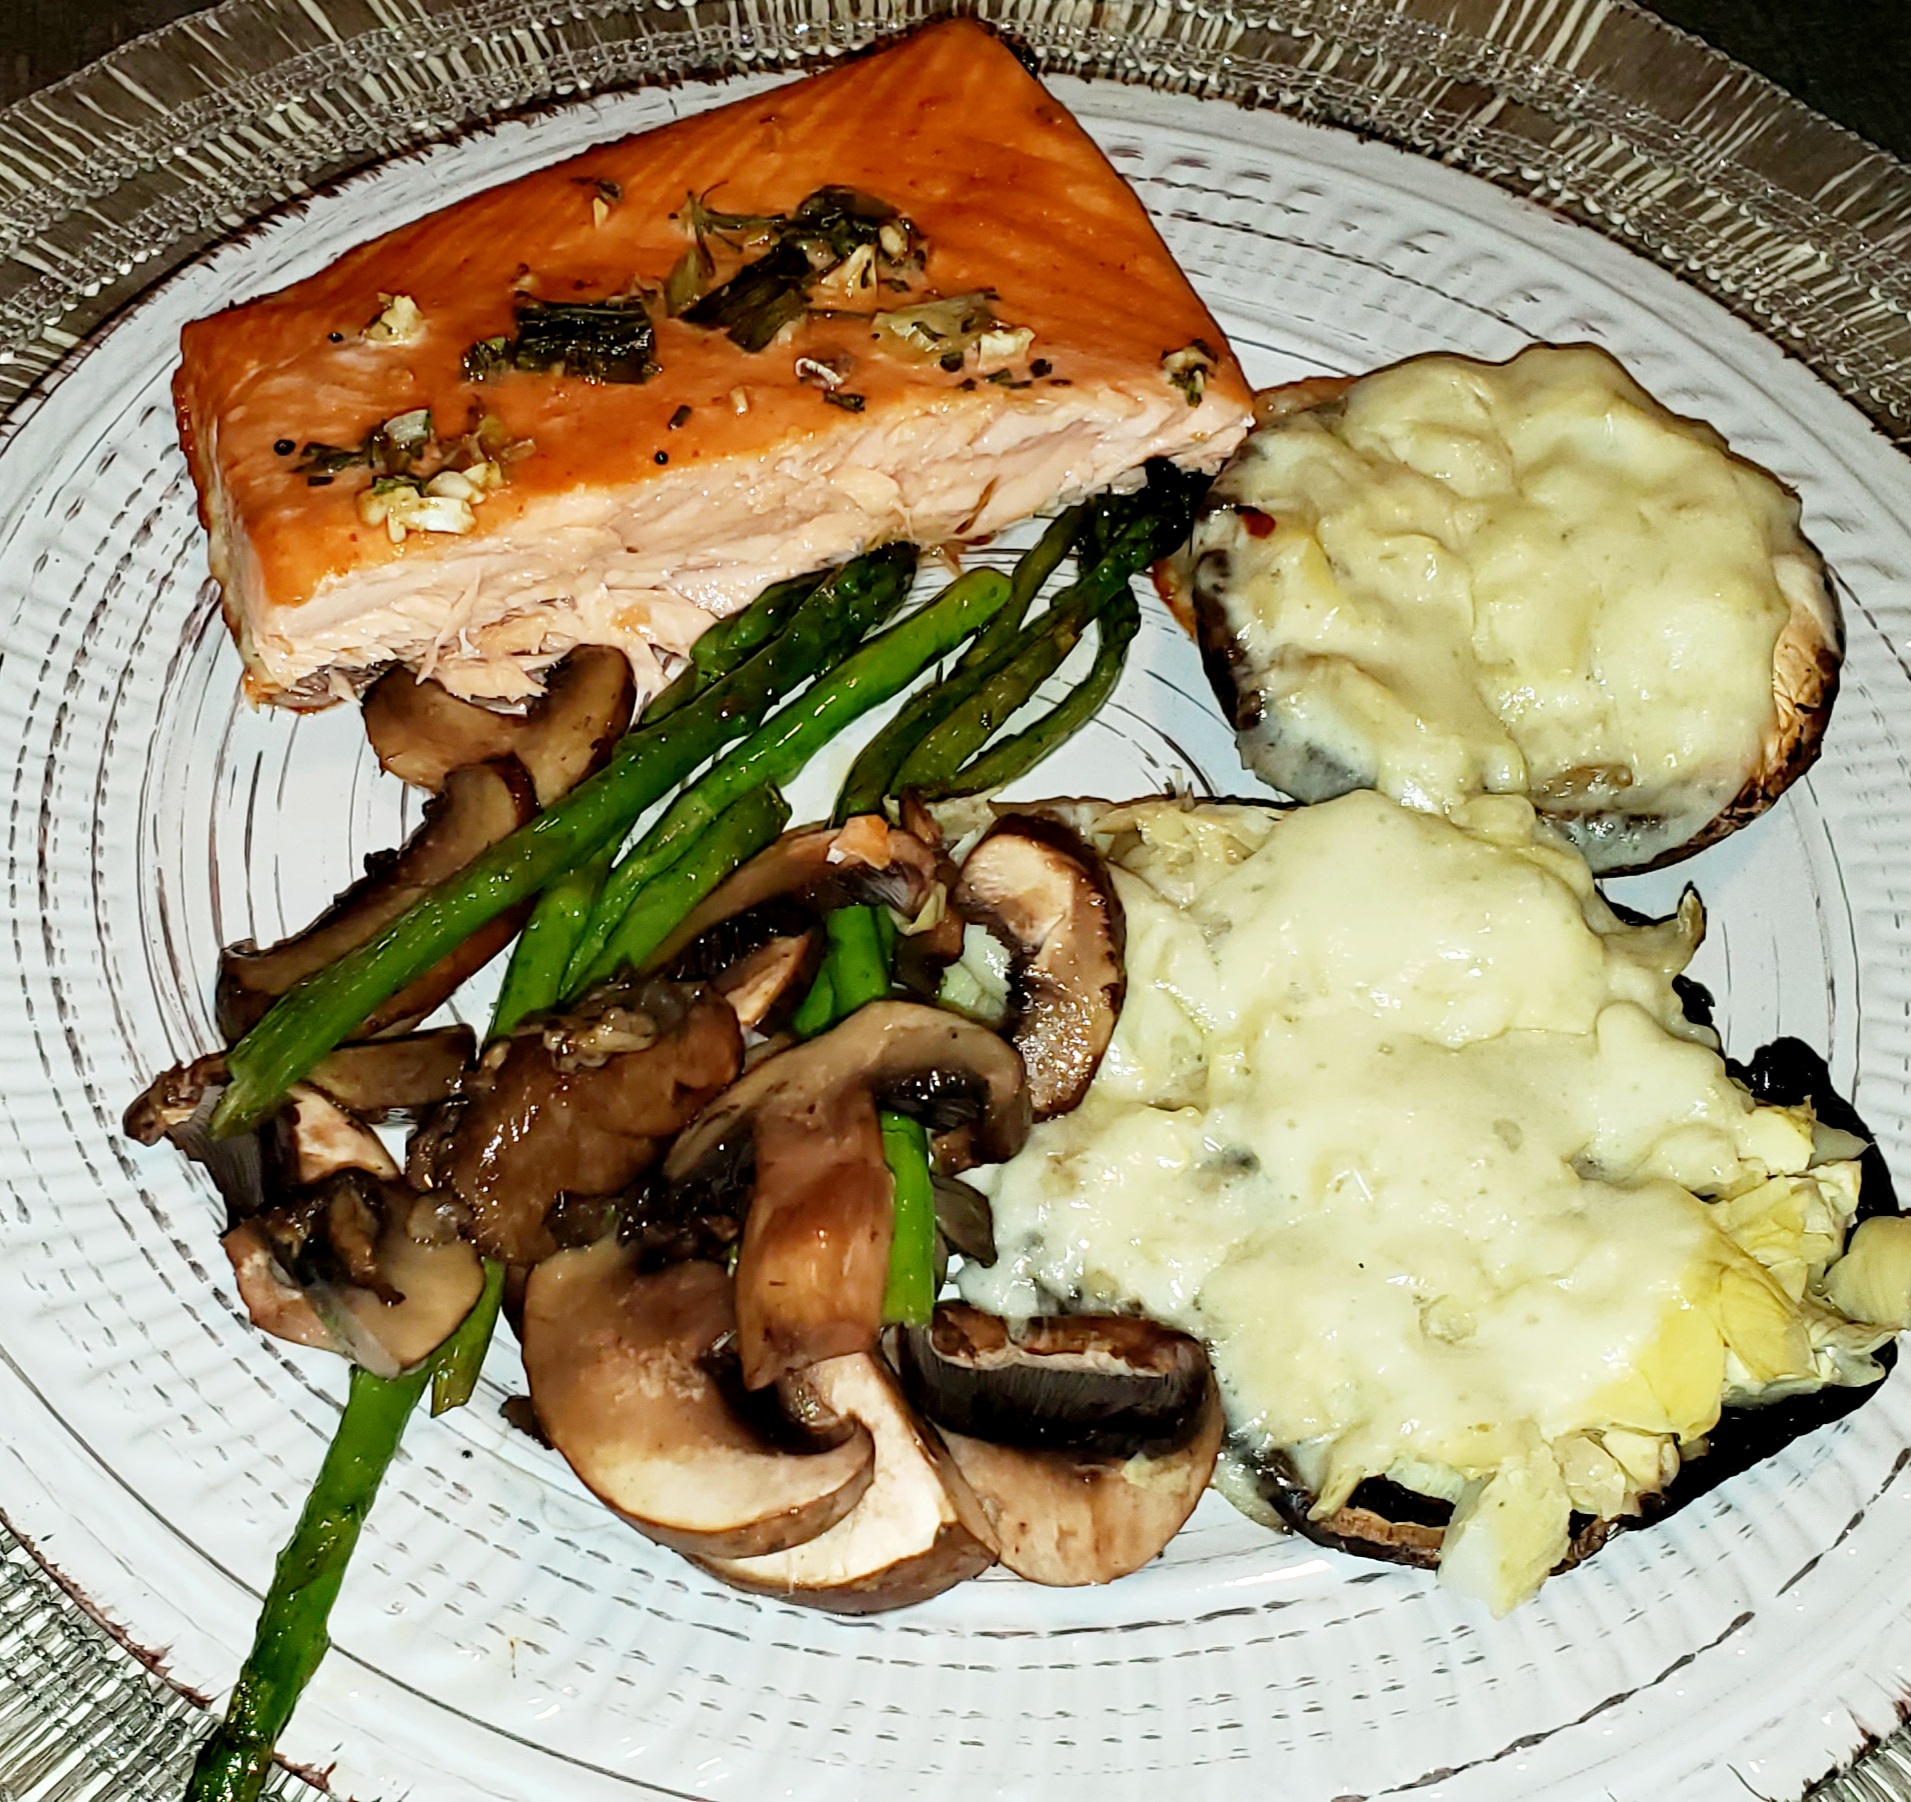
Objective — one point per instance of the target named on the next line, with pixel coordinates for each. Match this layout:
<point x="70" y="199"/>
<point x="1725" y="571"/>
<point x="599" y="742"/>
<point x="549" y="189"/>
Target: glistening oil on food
<point x="948" y="1183"/>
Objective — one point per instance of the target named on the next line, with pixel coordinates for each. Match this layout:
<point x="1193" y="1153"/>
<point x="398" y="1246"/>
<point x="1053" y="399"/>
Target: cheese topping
<point x="1527" y="577"/>
<point x="1407" y="1126"/>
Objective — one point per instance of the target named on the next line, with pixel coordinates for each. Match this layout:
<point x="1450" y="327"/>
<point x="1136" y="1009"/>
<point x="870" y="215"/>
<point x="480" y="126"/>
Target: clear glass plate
<point x="502" y="1636"/>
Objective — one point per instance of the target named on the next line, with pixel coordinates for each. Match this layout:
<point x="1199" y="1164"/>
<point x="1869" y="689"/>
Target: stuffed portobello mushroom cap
<point x="1451" y="578"/>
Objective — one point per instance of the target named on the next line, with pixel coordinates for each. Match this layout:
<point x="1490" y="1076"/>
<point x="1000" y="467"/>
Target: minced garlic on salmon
<point x="386" y="478"/>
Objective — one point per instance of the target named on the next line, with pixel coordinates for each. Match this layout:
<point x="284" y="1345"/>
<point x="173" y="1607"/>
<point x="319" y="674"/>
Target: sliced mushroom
<point x="425" y="1280"/>
<point x="576" y="1104"/>
<point x="1087" y="1439"/>
<point x="381" y="1079"/>
<point x="1067" y="1518"/>
<point x="421" y="732"/>
<point x="918" y="1060"/>
<point x="965" y="1220"/>
<point x="174" y="1099"/>
<point x="795" y="881"/>
<point x="1046" y="895"/>
<point x="628" y="1377"/>
<point x="762" y="985"/>
<point x="800" y="1130"/>
<point x="479" y="806"/>
<point x="329" y="1249"/>
<point x="318" y="1138"/>
<point x="1083" y="1382"/>
<point x="387" y="1078"/>
<point x="917" y="1532"/>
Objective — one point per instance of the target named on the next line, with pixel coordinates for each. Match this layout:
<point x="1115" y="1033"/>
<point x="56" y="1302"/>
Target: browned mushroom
<point x="758" y="937"/>
<point x="384" y="1079"/>
<point x="329" y="1249"/>
<point x="578" y="1105"/>
<point x="634" y="1384"/>
<point x="421" y="732"/>
<point x="799" y="1130"/>
<point x="1597" y="803"/>
<point x="381" y="1079"/>
<point x="1087" y="1439"/>
<point x="917" y="1532"/>
<point x="1047" y="896"/>
<point x="421" y="1279"/>
<point x="479" y="806"/>
<point x="764" y="984"/>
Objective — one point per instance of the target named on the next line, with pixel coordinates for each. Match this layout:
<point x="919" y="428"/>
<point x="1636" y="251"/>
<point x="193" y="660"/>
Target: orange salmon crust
<point x="631" y="514"/>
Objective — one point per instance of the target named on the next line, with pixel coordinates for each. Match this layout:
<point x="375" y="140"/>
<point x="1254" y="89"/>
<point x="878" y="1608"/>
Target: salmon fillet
<point x="632" y="511"/>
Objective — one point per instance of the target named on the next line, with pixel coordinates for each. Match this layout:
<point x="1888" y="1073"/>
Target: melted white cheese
<point x="1527" y="577"/>
<point x="1407" y="1126"/>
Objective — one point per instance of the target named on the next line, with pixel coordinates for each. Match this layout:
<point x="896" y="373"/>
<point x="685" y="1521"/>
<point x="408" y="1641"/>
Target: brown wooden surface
<point x="1849" y="58"/>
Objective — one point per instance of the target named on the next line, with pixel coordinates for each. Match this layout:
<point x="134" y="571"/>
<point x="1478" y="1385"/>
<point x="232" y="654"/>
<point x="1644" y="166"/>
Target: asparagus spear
<point x="873" y="775"/>
<point x="1014" y="757"/>
<point x="725" y="645"/>
<point x="292" y="1639"/>
<point x="322" y="1011"/>
<point x="739" y="832"/>
<point x="780" y="748"/>
<point x="544" y="947"/>
<point x="909" y="1295"/>
<point x="1032" y="569"/>
<point x="1041" y="648"/>
<point x="456" y="1364"/>
<point x="855" y="971"/>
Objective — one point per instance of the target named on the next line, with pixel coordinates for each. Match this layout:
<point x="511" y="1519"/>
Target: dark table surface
<point x="1849" y="58"/>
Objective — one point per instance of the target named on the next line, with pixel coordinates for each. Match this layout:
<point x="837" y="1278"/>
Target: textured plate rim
<point x="29" y="365"/>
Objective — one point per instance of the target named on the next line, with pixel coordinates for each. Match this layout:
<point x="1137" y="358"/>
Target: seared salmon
<point x="552" y="415"/>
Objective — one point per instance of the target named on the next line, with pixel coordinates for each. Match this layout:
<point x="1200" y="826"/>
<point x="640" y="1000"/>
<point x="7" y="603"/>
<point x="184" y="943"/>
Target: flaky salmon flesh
<point x="388" y="476"/>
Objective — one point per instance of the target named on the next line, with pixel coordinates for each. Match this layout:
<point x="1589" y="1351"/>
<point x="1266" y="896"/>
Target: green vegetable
<point x="323" y="1011"/>
<point x="597" y="340"/>
<point x="534" y="980"/>
<point x="1014" y="757"/>
<point x="727" y="644"/>
<point x="992" y="696"/>
<point x="909" y="1296"/>
<point x="856" y="971"/>
<point x="1031" y="573"/>
<point x="536" y="972"/>
<point x="777" y="751"/>
<point x="1118" y="536"/>
<point x="456" y="1363"/>
<point x="739" y="832"/>
<point x="292" y="1639"/>
<point x="872" y="777"/>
